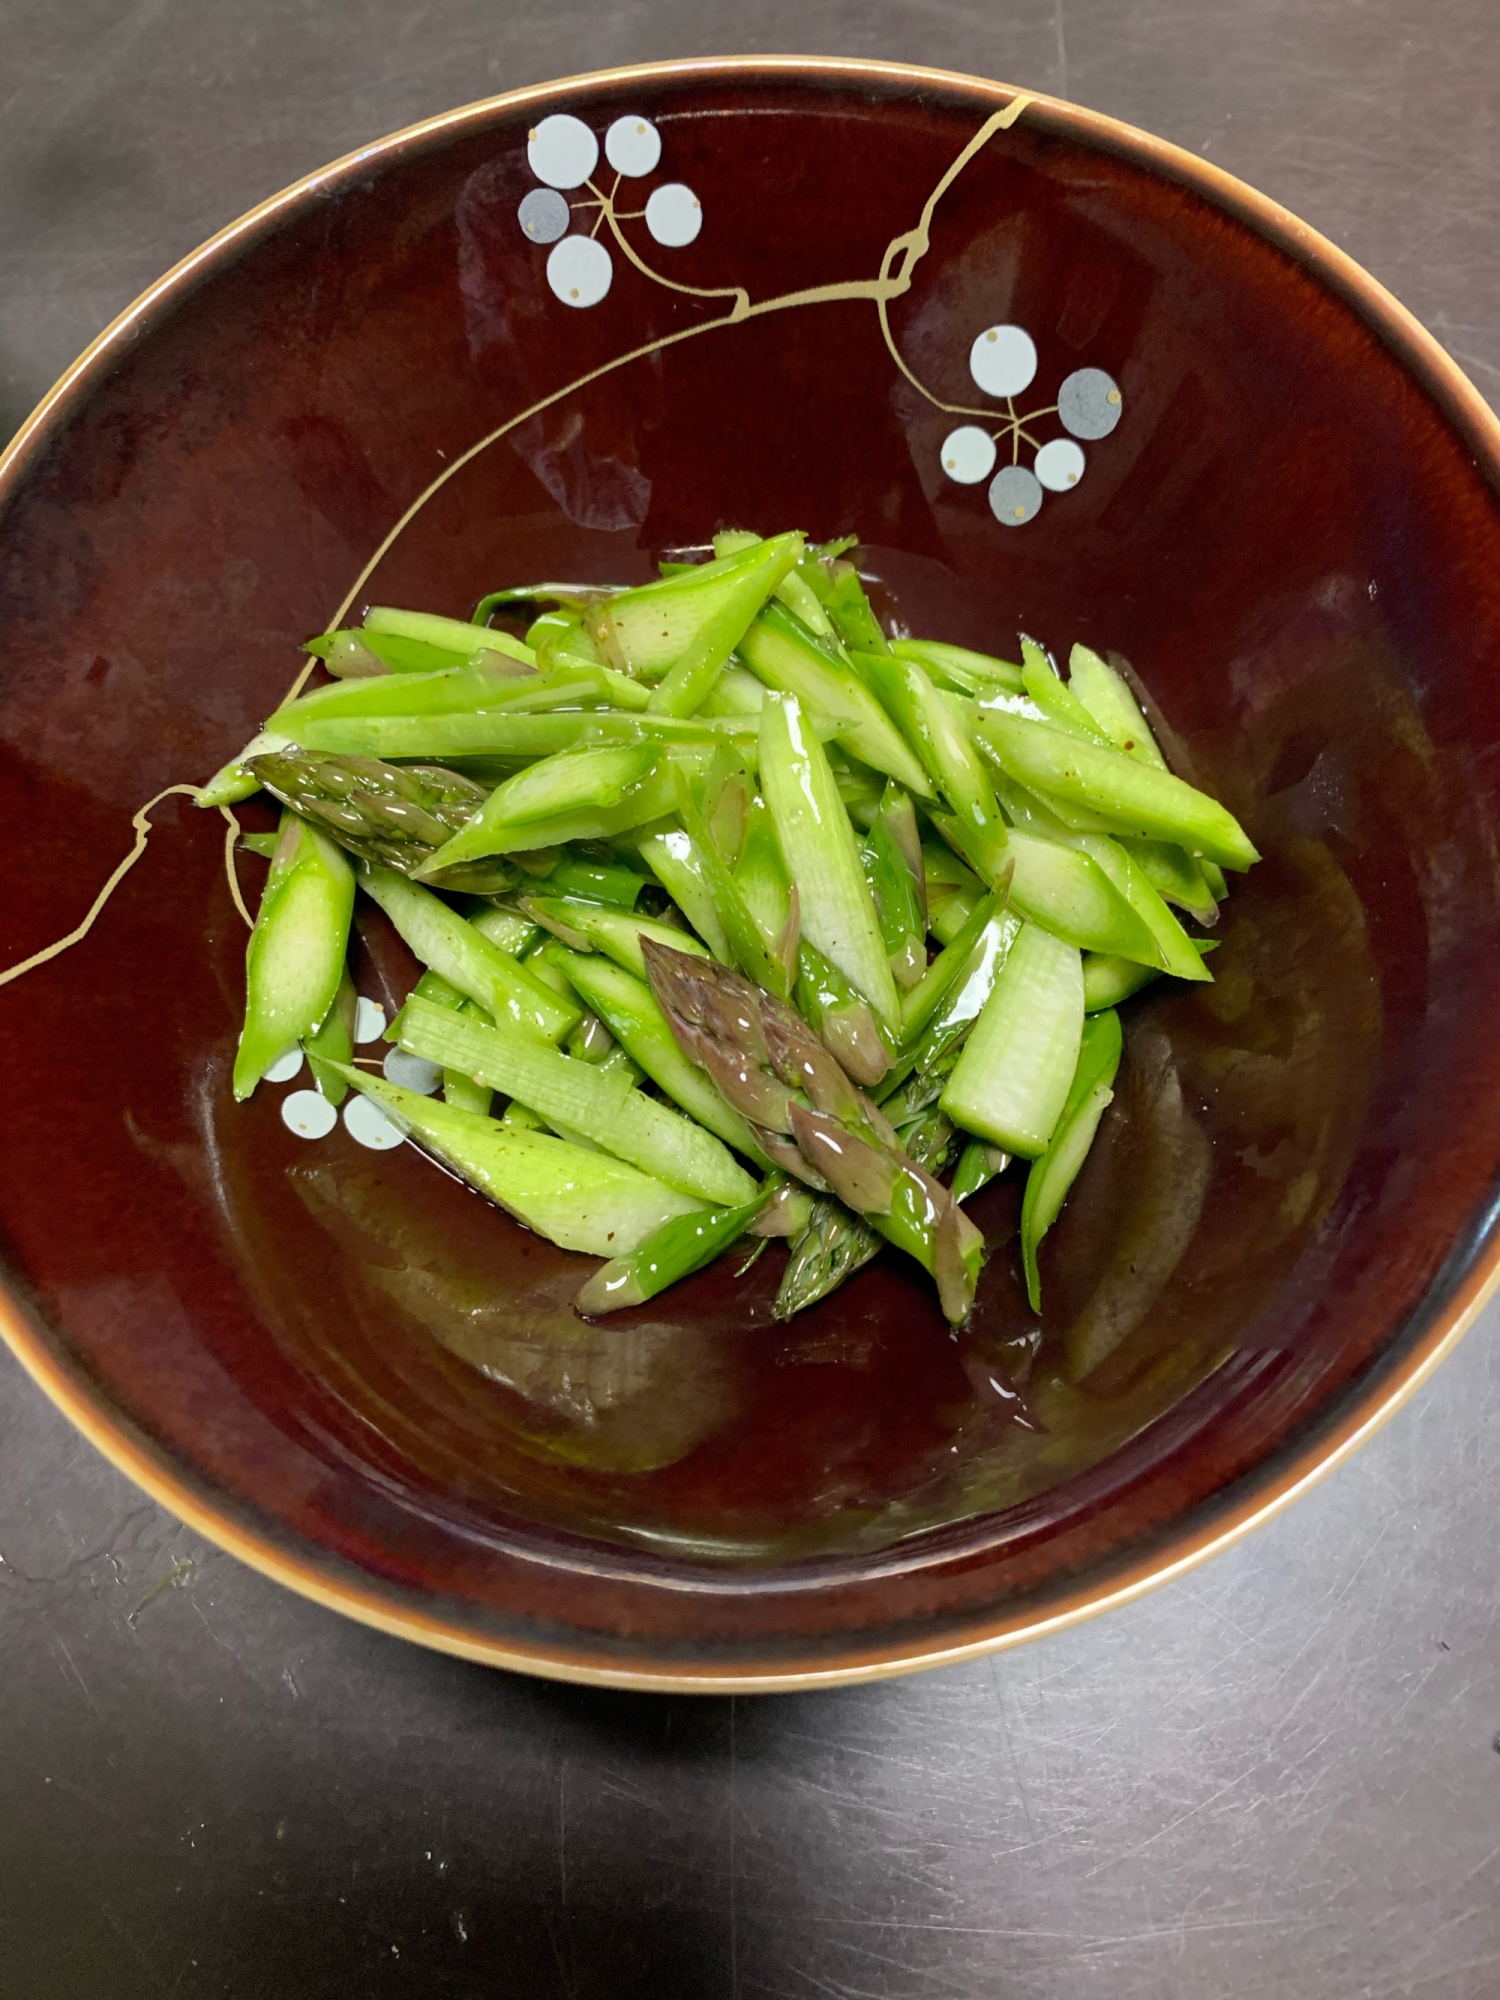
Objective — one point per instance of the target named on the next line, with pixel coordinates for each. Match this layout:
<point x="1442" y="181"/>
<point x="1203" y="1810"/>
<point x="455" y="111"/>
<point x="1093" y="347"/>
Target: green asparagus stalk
<point x="399" y="816"/>
<point x="1012" y="1079"/>
<point x="932" y="728"/>
<point x="840" y="1017"/>
<point x="580" y="1097"/>
<point x="451" y="635"/>
<point x="670" y="1253"/>
<point x="765" y="959"/>
<point x="834" y="1242"/>
<point x="927" y="995"/>
<point x="333" y="1043"/>
<point x="892" y="857"/>
<point x="494" y="681"/>
<point x="1052" y="695"/>
<point x="958" y="668"/>
<point x="1060" y="888"/>
<point x="573" y="782"/>
<point x="236" y="780"/>
<point x="698" y="665"/>
<point x="443" y="939"/>
<point x="630" y="1010"/>
<point x="498" y="733"/>
<point x="673" y="860"/>
<point x="818" y="847"/>
<point x="849" y="609"/>
<point x="810" y="1118"/>
<point x="617" y="933"/>
<point x="977" y="1166"/>
<point x="928" y="1060"/>
<point x="1138" y="798"/>
<point x="295" y="959"/>
<point x="794" y="590"/>
<point x="578" y="1199"/>
<point x="787" y="659"/>
<point x="596" y="881"/>
<point x="504" y="926"/>
<point x="359" y="655"/>
<point x="1050" y="1177"/>
<point x="647" y="631"/>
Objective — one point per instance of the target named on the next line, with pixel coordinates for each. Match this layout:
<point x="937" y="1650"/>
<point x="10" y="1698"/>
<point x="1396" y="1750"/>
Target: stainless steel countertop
<point x="1277" y="1776"/>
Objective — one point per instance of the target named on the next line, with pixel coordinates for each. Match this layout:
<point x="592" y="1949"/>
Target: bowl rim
<point x="1256" y="1496"/>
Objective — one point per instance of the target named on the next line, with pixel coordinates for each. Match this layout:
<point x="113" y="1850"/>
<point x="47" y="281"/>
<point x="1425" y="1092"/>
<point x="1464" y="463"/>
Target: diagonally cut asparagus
<point x="398" y="815"/>
<point x="835" y="1243"/>
<point x="581" y="1200"/>
<point x="812" y="1119"/>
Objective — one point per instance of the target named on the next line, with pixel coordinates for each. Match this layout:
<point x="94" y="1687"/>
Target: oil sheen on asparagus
<point x="738" y="916"/>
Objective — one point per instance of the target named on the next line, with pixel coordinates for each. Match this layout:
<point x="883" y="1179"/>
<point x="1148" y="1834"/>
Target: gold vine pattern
<point x="902" y="255"/>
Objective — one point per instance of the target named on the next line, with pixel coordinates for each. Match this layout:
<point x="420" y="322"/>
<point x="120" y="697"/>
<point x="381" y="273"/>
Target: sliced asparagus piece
<point x="333" y="1043"/>
<point x="630" y="1010"/>
<point x="454" y="635"/>
<point x="781" y="653"/>
<point x="1062" y="889"/>
<point x="443" y="939"/>
<point x="498" y="733"/>
<point x="698" y="665"/>
<point x="674" y="1251"/>
<point x="399" y="816"/>
<point x="933" y="729"/>
<point x="834" y="1242"/>
<point x="617" y="933"/>
<point x="926" y="1063"/>
<point x="764" y="1058"/>
<point x="577" y="1199"/>
<point x="1137" y="797"/>
<point x="572" y="782"/>
<point x="818" y="847"/>
<point x="977" y="1166"/>
<point x="647" y="631"/>
<point x="957" y="667"/>
<point x="295" y="958"/>
<point x="581" y="1097"/>
<point x="493" y="681"/>
<point x="1054" y="697"/>
<point x="674" y="861"/>
<point x="1050" y="1177"/>
<point x="1011" y="1081"/>
<point x="841" y="1017"/>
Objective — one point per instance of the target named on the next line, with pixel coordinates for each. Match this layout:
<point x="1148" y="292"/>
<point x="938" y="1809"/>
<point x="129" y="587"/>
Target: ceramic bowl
<point x="562" y="332"/>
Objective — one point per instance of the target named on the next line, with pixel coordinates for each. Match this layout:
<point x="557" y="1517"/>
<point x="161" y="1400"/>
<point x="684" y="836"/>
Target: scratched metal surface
<point x="1277" y="1777"/>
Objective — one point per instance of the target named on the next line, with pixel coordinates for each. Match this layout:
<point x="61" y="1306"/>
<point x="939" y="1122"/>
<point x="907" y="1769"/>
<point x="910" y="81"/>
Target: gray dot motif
<point x="1089" y="403"/>
<point x="1015" y="496"/>
<point x="543" y="215"/>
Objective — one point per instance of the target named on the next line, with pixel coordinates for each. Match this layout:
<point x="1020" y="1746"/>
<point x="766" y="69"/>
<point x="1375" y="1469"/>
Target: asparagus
<point x="818" y="846"/>
<point x="580" y="1097"/>
<point x="399" y="816"/>
<point x="1051" y="1176"/>
<point x="333" y="1043"/>
<point x="295" y="960"/>
<point x="444" y="940"/>
<point x="578" y="1199"/>
<point x="1134" y="796"/>
<point x="674" y="1251"/>
<point x="810" y="1118"/>
<point x="834" y="1243"/>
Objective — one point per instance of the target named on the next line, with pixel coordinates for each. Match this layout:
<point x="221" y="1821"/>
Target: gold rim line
<point x="1436" y="372"/>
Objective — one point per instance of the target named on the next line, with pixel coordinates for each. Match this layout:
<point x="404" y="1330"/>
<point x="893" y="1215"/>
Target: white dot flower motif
<point x="1003" y="363"/>
<point x="563" y="153"/>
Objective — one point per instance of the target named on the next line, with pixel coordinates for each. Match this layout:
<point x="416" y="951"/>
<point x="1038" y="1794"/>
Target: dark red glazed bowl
<point x="361" y="1379"/>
